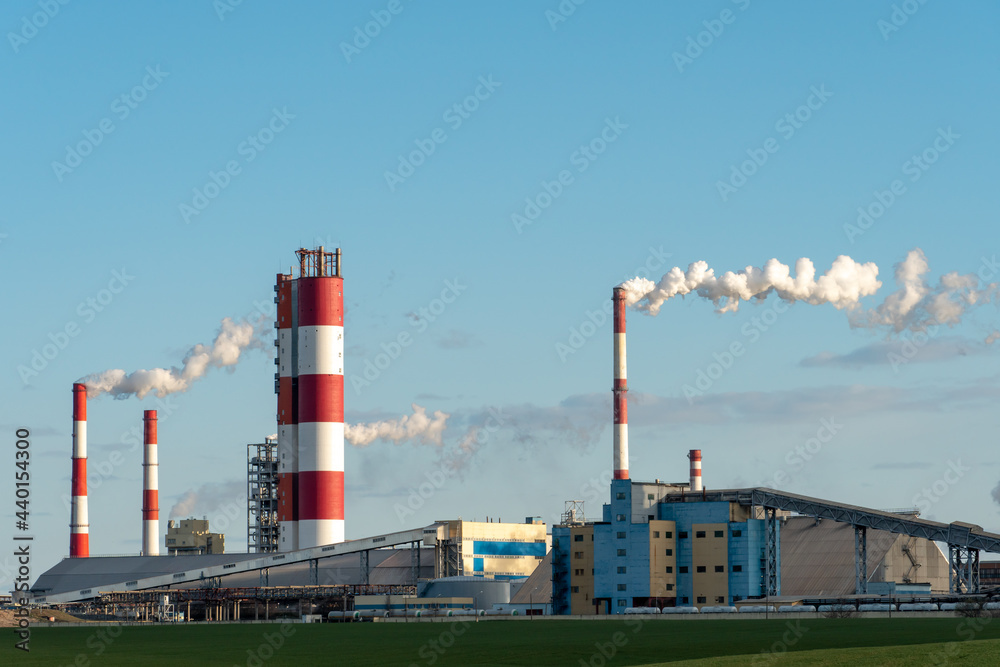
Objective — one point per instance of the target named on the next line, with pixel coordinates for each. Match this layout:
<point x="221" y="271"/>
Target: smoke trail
<point x="417" y="427"/>
<point x="996" y="494"/>
<point x="915" y="305"/>
<point x="209" y="499"/>
<point x="224" y="352"/>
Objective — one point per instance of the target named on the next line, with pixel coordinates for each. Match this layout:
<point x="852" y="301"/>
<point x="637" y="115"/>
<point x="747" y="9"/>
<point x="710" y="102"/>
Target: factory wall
<point x="493" y="549"/>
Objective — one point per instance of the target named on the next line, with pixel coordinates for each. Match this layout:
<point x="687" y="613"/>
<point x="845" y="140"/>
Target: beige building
<point x="489" y="549"/>
<point x="191" y="537"/>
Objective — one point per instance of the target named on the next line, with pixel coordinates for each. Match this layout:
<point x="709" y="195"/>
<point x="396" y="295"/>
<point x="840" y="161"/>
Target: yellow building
<point x="489" y="549"/>
<point x="191" y="537"/>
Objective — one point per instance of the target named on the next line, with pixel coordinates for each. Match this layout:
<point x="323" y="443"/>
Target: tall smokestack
<point x="286" y="386"/>
<point x="695" y="456"/>
<point x="320" y="366"/>
<point x="620" y="388"/>
<point x="150" y="487"/>
<point x="79" y="526"/>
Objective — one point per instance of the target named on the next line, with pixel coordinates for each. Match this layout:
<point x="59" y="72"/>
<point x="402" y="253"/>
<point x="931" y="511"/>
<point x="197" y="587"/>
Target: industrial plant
<point x="656" y="547"/>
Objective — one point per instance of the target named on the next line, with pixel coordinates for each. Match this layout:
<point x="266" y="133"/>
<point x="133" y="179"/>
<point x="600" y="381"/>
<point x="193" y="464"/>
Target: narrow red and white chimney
<point x="695" y="456"/>
<point x="620" y="388"/>
<point x="79" y="526"/>
<point x="150" y="487"/>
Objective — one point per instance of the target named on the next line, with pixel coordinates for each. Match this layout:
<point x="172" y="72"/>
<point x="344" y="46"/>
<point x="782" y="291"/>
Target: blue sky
<point x="332" y="120"/>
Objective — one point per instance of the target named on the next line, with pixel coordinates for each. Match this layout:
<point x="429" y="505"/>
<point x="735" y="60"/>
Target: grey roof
<point x="388" y="566"/>
<point x="537" y="587"/>
<point x="817" y="558"/>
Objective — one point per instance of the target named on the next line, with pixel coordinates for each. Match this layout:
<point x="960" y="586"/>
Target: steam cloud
<point x="211" y="500"/>
<point x="915" y="305"/>
<point x="996" y="494"/>
<point x="417" y="427"/>
<point x="224" y="352"/>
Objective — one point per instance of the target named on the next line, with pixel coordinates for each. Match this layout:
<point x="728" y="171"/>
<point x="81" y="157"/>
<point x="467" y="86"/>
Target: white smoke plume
<point x="214" y="500"/>
<point x="915" y="305"/>
<point x="418" y="427"/>
<point x="993" y="337"/>
<point x="996" y="493"/>
<point x="224" y="352"/>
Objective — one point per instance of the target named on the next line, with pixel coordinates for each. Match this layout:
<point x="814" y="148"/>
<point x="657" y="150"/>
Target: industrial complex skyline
<point x="488" y="195"/>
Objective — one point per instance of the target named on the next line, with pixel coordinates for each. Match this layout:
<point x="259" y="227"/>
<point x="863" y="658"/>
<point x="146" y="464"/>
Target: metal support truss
<point x="963" y="568"/>
<point x="860" y="560"/>
<point x="314" y="572"/>
<point x="365" y="568"/>
<point x="265" y="577"/>
<point x="414" y="561"/>
<point x="770" y="552"/>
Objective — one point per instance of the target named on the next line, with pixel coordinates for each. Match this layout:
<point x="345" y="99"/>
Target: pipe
<point x="79" y="526"/>
<point x="620" y="389"/>
<point x="150" y="487"/>
<point x="695" y="456"/>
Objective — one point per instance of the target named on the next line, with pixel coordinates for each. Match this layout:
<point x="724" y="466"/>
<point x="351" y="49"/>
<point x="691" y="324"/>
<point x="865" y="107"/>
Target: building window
<point x="684" y="600"/>
<point x="620" y="495"/>
<point x="578" y="538"/>
<point x="620" y="517"/>
<point x="720" y="568"/>
<point x="683" y="569"/>
<point x="737" y="568"/>
<point x="576" y="589"/>
<point x="623" y="587"/>
<point x="670" y="569"/>
<point x="656" y="534"/>
<point x="700" y="533"/>
<point x="670" y="587"/>
<point x="578" y="555"/>
<point x="578" y="572"/>
<point x="737" y="533"/>
<point x="621" y="535"/>
<point x="649" y="496"/>
<point x="621" y="552"/>
<point x="682" y="535"/>
<point x="621" y="603"/>
<point x="701" y="599"/>
<point x="701" y="568"/>
<point x="668" y="534"/>
<point x="670" y="552"/>
<point x="720" y="533"/>
<point x="621" y="569"/>
<point x="720" y="599"/>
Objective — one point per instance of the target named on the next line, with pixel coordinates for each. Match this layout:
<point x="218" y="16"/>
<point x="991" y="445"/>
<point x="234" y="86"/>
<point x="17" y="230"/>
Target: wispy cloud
<point x="883" y="353"/>
<point x="455" y="340"/>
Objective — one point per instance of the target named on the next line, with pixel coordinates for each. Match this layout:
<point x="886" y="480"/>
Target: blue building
<point x="660" y="545"/>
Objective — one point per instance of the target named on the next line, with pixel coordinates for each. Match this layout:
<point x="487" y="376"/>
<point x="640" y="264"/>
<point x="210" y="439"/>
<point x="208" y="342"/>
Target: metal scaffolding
<point x="262" y="496"/>
<point x="963" y="568"/>
<point x="860" y="560"/>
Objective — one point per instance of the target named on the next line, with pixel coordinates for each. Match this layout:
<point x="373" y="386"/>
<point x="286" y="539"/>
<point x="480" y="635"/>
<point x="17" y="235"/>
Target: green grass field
<point x="854" y="642"/>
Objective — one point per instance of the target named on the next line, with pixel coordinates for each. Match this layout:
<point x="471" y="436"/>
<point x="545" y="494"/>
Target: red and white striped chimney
<point x="150" y="487"/>
<point x="695" y="456"/>
<point x="320" y="351"/>
<point x="620" y="388"/>
<point x="79" y="526"/>
<point x="286" y="386"/>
